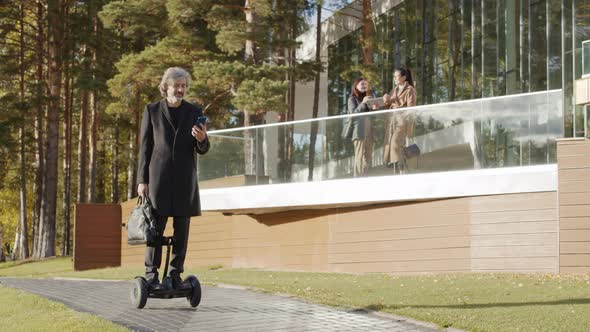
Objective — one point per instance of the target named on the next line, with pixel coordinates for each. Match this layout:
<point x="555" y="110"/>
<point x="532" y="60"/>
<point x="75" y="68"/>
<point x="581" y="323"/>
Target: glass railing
<point x="517" y="130"/>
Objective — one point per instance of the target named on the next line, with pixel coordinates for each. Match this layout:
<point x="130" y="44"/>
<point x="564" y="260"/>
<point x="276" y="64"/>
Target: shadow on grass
<point x="382" y="307"/>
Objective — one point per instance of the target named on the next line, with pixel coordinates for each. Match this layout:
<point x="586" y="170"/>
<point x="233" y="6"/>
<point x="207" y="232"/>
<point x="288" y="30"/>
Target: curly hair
<point x="173" y="74"/>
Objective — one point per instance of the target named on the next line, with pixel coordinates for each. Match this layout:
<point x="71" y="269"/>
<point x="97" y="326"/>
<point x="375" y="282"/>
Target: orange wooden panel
<point x="402" y="255"/>
<point x="96" y="247"/>
<point x="574" y="223"/>
<point x="570" y="162"/>
<point x="574" y="235"/>
<point x="402" y="234"/>
<point x="574" y="259"/>
<point x="512" y="216"/>
<point x="574" y="269"/>
<point x="574" y="211"/>
<point x="575" y="186"/>
<point x="514" y="202"/>
<point x="575" y="149"/>
<point x="347" y="224"/>
<point x="515" y="251"/>
<point x="418" y="244"/>
<point x="439" y="265"/>
<point x="514" y="239"/>
<point x="512" y="264"/>
<point x="529" y="227"/>
<point x="397" y="238"/>
<point x="581" y="198"/>
<point x="576" y="174"/>
<point x="578" y="247"/>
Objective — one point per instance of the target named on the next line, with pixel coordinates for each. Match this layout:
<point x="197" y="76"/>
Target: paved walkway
<point x="221" y="309"/>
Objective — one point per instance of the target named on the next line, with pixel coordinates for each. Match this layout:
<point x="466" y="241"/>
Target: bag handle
<point x="143" y="199"/>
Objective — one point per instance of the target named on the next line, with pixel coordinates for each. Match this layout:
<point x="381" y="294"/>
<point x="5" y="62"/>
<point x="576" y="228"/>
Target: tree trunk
<point x="92" y="164"/>
<point x="55" y="33"/>
<point x="281" y="130"/>
<point x="39" y="156"/>
<point x="15" y="245"/>
<point x="132" y="168"/>
<point x="100" y="168"/>
<point x="23" y="229"/>
<point x="2" y="254"/>
<point x="367" y="39"/>
<point x="292" y="80"/>
<point x="115" y="165"/>
<point x="249" y="57"/>
<point x="316" y="93"/>
<point x="94" y="117"/>
<point x="82" y="147"/>
<point x="250" y="49"/>
<point x="65" y="245"/>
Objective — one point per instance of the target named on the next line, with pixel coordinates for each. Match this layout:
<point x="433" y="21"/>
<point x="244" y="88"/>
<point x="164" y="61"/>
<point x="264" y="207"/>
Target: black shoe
<point x="176" y="280"/>
<point x="153" y="282"/>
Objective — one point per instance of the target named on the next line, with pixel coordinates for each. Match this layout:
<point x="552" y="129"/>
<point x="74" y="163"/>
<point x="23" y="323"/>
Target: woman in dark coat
<point x="170" y="137"/>
<point x="360" y="128"/>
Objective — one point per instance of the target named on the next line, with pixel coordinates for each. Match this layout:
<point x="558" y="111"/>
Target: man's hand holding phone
<point x="199" y="130"/>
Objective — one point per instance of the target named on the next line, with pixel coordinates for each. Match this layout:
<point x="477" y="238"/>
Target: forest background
<point x="76" y="75"/>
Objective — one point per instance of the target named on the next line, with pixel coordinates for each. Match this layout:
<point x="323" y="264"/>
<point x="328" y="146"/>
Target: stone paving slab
<point x="221" y="309"/>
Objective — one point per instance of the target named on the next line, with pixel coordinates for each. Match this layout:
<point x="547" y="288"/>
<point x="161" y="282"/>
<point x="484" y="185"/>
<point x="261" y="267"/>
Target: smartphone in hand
<point x="202" y="120"/>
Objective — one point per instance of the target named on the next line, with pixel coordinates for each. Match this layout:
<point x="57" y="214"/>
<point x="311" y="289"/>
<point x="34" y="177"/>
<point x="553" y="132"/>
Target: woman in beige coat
<point x="400" y="124"/>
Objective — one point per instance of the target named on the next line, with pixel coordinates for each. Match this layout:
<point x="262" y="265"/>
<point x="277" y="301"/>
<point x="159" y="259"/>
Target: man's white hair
<point x="173" y="74"/>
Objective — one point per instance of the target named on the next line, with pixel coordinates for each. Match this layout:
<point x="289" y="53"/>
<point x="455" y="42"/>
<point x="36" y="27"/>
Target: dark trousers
<point x="153" y="255"/>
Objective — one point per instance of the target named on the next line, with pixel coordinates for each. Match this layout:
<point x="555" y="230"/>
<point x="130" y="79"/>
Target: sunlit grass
<point x="471" y="301"/>
<point x="21" y="311"/>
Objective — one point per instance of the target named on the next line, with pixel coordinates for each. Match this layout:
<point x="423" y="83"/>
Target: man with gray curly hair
<point x="173" y="131"/>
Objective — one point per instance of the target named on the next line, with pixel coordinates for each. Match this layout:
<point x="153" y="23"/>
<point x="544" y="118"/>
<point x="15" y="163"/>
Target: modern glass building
<point x="496" y="187"/>
<point x="470" y="49"/>
<point x="495" y="83"/>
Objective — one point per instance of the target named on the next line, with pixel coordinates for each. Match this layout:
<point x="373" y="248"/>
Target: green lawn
<point x="21" y="311"/>
<point x="476" y="302"/>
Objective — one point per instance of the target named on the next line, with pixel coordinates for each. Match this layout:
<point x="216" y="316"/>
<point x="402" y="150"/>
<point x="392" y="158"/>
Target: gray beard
<point x="175" y="99"/>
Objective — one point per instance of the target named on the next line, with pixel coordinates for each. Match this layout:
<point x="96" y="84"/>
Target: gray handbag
<point x="141" y="226"/>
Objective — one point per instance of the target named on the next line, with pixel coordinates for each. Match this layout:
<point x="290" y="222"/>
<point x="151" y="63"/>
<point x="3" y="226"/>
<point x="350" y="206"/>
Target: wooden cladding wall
<point x="573" y="160"/>
<point x="97" y="236"/>
<point x="517" y="232"/>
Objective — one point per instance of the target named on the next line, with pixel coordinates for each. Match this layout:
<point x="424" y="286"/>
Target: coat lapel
<point x="166" y="112"/>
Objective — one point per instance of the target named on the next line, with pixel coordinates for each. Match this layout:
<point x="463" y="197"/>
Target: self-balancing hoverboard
<point x="190" y="287"/>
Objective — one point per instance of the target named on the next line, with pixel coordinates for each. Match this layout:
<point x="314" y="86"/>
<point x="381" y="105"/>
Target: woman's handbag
<point x="141" y="226"/>
<point x="411" y="150"/>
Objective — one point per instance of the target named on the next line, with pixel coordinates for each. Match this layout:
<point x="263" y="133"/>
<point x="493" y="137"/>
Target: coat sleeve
<point x="146" y="141"/>
<point x="411" y="98"/>
<point x="202" y="147"/>
<point x="353" y="107"/>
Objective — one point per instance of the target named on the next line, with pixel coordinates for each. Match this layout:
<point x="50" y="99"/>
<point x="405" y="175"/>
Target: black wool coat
<point x="167" y="159"/>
